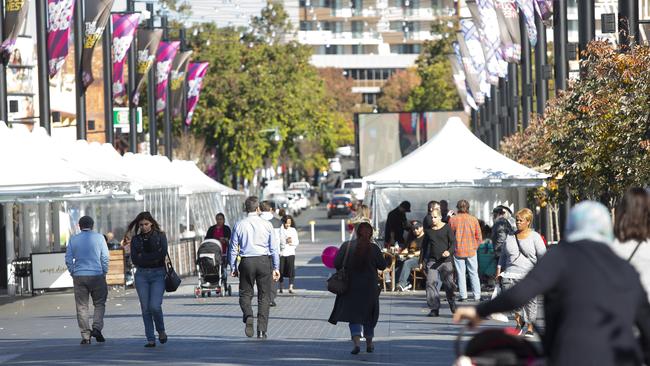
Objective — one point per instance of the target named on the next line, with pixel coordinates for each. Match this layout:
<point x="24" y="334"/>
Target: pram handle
<point x="459" y="338"/>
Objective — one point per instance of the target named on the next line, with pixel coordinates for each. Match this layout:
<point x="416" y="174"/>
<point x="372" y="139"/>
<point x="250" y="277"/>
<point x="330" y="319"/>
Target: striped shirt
<point x="468" y="234"/>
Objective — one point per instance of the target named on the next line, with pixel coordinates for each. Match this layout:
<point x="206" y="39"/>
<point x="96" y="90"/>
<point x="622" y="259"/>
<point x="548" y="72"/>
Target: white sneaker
<point x="407" y="287"/>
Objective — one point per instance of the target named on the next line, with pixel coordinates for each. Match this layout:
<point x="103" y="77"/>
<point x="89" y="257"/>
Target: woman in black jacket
<point x="593" y="299"/>
<point x="148" y="252"/>
<point x="359" y="306"/>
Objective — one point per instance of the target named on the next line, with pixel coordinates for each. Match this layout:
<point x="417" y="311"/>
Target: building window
<point x="333" y="50"/>
<point x="369" y="98"/>
<point x="357" y="49"/>
<point x="406" y="49"/>
<point x="357" y="29"/>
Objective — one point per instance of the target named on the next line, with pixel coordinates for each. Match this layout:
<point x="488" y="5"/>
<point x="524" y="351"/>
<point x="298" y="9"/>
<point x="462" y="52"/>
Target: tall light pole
<point x="80" y="94"/>
<point x="586" y="24"/>
<point x="526" y="74"/>
<point x="628" y="21"/>
<point x="151" y="96"/>
<point x="167" y="121"/>
<point x="560" y="44"/>
<point x="43" y="72"/>
<point x="541" y="83"/>
<point x="108" y="83"/>
<point x="133" y="64"/>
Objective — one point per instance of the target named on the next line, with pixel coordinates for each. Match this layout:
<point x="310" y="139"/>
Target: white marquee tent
<point x="453" y="165"/>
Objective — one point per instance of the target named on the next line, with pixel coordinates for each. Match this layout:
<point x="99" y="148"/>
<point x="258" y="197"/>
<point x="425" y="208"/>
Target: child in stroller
<point x="211" y="265"/>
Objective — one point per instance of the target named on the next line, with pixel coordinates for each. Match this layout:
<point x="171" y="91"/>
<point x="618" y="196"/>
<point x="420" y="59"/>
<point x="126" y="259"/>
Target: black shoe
<point x="452" y="307"/>
<point x="273" y="304"/>
<point x="434" y="313"/>
<point x="85" y="341"/>
<point x="370" y="348"/>
<point x="460" y="299"/>
<point x="162" y="337"/>
<point x="150" y="344"/>
<point x="280" y="291"/>
<point x="249" y="327"/>
<point x="261" y="334"/>
<point x="355" y="350"/>
<point x="98" y="335"/>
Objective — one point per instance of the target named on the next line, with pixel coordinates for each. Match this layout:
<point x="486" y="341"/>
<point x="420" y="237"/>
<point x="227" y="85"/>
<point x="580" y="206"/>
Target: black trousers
<point x="288" y="268"/>
<point x="256" y="270"/>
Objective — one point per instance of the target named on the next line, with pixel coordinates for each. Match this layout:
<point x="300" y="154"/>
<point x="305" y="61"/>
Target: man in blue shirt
<point x="253" y="240"/>
<point x="87" y="260"/>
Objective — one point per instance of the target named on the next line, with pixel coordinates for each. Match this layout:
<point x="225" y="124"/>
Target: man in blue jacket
<point x="87" y="260"/>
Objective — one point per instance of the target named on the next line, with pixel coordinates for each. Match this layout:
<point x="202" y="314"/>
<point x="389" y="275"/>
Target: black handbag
<point x="338" y="282"/>
<point x="172" y="279"/>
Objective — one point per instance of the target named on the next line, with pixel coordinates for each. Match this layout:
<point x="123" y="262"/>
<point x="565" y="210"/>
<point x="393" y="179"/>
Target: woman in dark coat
<point x="593" y="299"/>
<point x="359" y="306"/>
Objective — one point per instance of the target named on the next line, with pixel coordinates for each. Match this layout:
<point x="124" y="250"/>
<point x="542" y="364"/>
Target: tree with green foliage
<point x="255" y="87"/>
<point x="436" y="90"/>
<point x="395" y="93"/>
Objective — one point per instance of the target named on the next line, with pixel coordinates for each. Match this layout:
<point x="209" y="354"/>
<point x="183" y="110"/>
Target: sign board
<point x="49" y="271"/>
<point x="121" y="118"/>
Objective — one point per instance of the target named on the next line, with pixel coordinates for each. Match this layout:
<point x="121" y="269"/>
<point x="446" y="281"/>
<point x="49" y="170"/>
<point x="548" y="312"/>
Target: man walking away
<point x="268" y="214"/>
<point x="253" y="239"/>
<point x="87" y="260"/>
<point x="468" y="238"/>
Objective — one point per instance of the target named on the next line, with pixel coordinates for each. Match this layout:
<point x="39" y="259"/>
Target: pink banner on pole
<point x="59" y="19"/>
<point x="164" y="58"/>
<point x="195" y="74"/>
<point x="124" y="26"/>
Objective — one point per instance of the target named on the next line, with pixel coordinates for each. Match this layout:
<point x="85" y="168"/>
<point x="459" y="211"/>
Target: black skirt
<point x="288" y="266"/>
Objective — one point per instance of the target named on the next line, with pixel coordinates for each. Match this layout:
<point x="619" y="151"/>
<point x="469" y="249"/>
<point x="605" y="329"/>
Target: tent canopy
<point x="455" y="158"/>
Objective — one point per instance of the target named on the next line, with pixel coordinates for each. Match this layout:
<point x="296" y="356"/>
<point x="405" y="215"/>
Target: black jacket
<point x="360" y="304"/>
<point x="211" y="229"/>
<point x="592" y="301"/>
<point x="396" y="224"/>
<point x="437" y="242"/>
<point x="149" y="250"/>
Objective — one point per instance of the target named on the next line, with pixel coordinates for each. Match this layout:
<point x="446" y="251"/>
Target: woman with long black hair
<point x="148" y="252"/>
<point x="359" y="305"/>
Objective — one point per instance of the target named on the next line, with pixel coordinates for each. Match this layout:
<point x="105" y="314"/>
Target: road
<point x="42" y="330"/>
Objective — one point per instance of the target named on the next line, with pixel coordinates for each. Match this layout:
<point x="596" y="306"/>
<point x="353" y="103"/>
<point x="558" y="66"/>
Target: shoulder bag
<point x="338" y="282"/>
<point x="634" y="252"/>
<point x="172" y="280"/>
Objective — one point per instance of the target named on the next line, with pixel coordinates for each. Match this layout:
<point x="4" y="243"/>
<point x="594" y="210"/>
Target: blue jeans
<point x="150" y="285"/>
<point x="472" y="268"/>
<point x="355" y="330"/>
<point x="407" y="268"/>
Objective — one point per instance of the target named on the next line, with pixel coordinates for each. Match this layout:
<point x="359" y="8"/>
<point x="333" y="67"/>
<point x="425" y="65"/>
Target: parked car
<point x="357" y="186"/>
<point x="343" y="193"/>
<point x="339" y="205"/>
<point x="285" y="202"/>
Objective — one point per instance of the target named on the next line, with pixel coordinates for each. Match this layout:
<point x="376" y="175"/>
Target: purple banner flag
<point x="164" y="57"/>
<point x="461" y="83"/>
<point x="14" y="20"/>
<point x="179" y="70"/>
<point x="195" y="74"/>
<point x="148" y="42"/>
<point x="97" y="14"/>
<point x="509" y="29"/>
<point x="124" y="26"/>
<point x="483" y="18"/>
<point x="59" y="19"/>
<point x="471" y="73"/>
<point x="528" y="9"/>
<point x="545" y="9"/>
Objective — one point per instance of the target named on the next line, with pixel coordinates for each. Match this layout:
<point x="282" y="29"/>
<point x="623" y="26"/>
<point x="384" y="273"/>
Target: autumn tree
<point x="395" y="93"/>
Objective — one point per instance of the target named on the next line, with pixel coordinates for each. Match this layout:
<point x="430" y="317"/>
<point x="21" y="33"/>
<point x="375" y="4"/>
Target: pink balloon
<point x="328" y="256"/>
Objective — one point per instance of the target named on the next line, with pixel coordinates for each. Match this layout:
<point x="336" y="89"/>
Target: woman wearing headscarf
<point x="632" y="231"/>
<point x="593" y="298"/>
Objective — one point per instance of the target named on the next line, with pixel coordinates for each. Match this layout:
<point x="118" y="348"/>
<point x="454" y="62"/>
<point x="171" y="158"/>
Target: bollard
<point x="342" y="230"/>
<point x="312" y="223"/>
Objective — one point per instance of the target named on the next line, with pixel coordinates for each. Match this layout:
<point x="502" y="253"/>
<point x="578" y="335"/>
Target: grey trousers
<point x="529" y="311"/>
<point x="96" y="287"/>
<point x="444" y="274"/>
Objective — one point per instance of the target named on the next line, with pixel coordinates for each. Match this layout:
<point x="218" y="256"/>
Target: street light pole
<point x="586" y="24"/>
<point x="151" y="96"/>
<point x="513" y="100"/>
<point x="183" y="111"/>
<point x="108" y="83"/>
<point x="78" y="48"/>
<point x="43" y="72"/>
<point x="526" y="74"/>
<point x="628" y="21"/>
<point x="167" y="122"/>
<point x="4" y="111"/>
<point x="560" y="44"/>
<point x="133" y="64"/>
<point x="541" y="84"/>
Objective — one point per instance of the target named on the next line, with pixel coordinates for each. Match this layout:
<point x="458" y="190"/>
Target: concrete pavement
<point x="42" y="330"/>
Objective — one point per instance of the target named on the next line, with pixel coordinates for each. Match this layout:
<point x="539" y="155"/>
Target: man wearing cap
<point x="396" y="224"/>
<point x="87" y="260"/>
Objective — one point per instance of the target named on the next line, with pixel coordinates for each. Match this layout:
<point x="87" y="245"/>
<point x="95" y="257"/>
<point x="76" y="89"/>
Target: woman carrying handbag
<point x="148" y="254"/>
<point x="359" y="304"/>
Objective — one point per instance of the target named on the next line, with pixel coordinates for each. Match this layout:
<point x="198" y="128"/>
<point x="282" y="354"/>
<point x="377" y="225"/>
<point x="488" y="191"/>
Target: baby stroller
<point x="497" y="347"/>
<point x="211" y="265"/>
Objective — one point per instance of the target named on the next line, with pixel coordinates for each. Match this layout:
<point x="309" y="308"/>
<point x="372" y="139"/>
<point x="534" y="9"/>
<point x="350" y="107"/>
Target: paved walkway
<point x="42" y="330"/>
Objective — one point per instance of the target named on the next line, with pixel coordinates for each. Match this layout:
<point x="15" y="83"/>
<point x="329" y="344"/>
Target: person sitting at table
<point x="412" y="254"/>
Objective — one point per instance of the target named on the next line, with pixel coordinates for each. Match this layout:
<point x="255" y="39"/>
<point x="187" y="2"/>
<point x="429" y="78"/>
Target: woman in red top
<point x="221" y="232"/>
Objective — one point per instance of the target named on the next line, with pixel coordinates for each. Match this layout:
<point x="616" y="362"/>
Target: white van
<point x="357" y="186"/>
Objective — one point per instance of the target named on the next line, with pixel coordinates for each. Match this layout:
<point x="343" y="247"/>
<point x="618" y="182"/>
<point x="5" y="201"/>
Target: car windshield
<point x="340" y="200"/>
<point x="352" y="185"/>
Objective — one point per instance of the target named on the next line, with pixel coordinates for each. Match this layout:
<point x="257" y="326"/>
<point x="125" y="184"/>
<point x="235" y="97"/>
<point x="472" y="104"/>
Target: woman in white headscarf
<point x="593" y="299"/>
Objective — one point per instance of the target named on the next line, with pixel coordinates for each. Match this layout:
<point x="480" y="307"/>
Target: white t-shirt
<point x="288" y="249"/>
<point x="640" y="261"/>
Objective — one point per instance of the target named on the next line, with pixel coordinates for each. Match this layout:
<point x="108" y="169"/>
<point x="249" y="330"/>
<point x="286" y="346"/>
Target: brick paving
<point x="42" y="330"/>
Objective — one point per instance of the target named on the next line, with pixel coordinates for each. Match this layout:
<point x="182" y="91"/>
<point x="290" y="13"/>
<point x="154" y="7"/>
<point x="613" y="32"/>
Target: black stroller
<point x="211" y="265"/>
<point x="497" y="347"/>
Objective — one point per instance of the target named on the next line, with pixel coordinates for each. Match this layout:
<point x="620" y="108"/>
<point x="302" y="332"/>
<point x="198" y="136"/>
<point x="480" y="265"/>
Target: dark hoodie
<point x="592" y="301"/>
